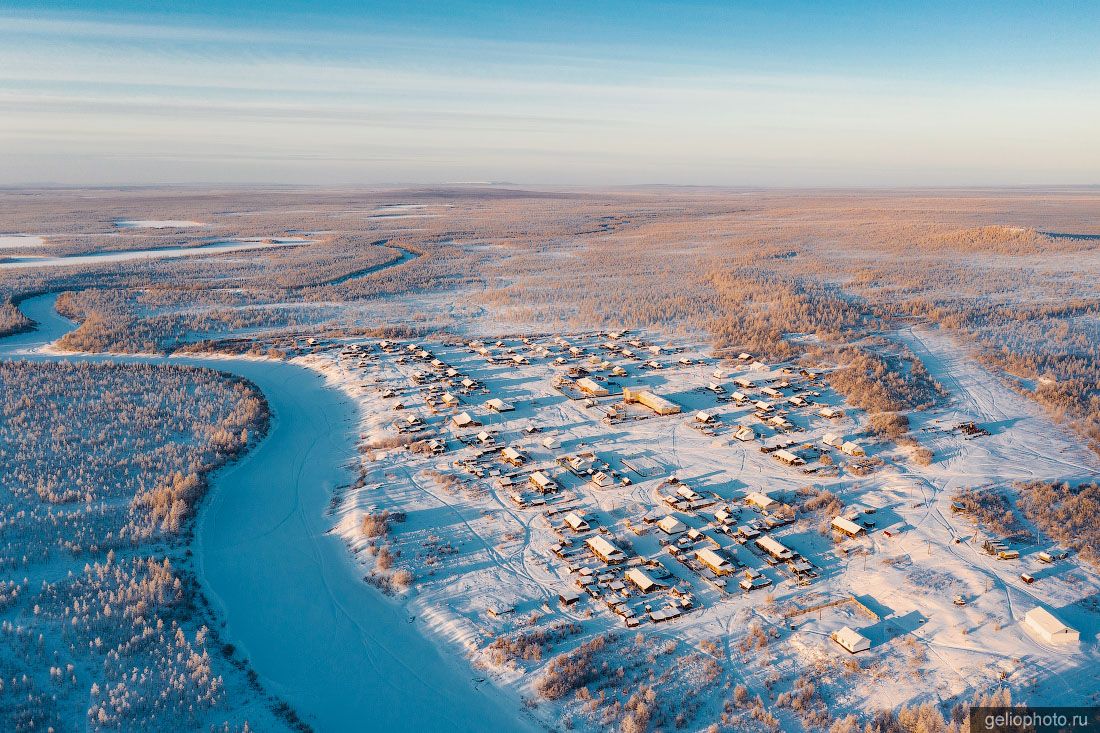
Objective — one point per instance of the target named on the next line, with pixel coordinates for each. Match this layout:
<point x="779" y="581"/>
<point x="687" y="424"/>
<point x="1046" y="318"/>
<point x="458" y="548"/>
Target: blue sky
<point x="731" y="93"/>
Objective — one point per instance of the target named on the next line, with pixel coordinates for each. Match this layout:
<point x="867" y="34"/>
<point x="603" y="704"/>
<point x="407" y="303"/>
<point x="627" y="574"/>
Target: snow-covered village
<point x="478" y="367"/>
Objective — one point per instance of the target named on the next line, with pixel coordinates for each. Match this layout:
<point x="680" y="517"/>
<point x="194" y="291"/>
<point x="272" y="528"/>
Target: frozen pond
<point x="19" y="241"/>
<point x="149" y="254"/>
<point x="157" y="223"/>
<point x="342" y="654"/>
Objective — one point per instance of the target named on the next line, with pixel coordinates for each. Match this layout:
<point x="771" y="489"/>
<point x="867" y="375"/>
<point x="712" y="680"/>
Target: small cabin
<point x="605" y="550"/>
<point x="642" y="580"/>
<point x="542" y="482"/>
<point x="715" y="562"/>
<point x="853" y="449"/>
<point x="847" y="527"/>
<point x="513" y="456"/>
<point x="672" y="525"/>
<point x="774" y="548"/>
<point x="576" y="522"/>
<point x="761" y="501"/>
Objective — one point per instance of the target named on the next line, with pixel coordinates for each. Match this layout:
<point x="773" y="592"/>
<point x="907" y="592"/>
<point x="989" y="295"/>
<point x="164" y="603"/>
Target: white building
<point x="498" y="405"/>
<point x="851" y="640"/>
<point x="602" y="480"/>
<point x="785" y="456"/>
<point x="1042" y="623"/>
<point x="658" y="404"/>
<point x="745" y="434"/>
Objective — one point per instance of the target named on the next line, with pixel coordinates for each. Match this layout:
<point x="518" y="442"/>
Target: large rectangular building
<point x="654" y="402"/>
<point x="1046" y="627"/>
<point x="591" y="387"/>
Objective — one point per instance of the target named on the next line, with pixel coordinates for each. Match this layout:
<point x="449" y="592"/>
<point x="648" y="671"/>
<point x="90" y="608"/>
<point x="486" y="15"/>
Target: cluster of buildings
<point x="505" y="414"/>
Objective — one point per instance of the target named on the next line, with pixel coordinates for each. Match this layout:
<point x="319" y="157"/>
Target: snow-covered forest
<point x="104" y="466"/>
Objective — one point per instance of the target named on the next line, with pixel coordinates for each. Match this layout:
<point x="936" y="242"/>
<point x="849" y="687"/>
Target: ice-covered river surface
<point x="163" y="253"/>
<point x="343" y="655"/>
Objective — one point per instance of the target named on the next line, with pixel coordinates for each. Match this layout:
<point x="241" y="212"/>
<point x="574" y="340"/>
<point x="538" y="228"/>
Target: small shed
<point x="498" y="405"/>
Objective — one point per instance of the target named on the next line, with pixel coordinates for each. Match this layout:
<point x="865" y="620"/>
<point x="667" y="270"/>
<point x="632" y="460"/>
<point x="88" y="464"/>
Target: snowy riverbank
<point x="339" y="652"/>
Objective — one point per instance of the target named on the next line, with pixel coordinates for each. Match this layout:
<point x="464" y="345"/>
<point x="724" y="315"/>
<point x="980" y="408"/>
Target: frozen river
<point x="162" y="253"/>
<point x="343" y="655"/>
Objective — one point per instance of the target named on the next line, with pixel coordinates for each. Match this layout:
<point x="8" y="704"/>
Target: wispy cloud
<point x="384" y="105"/>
